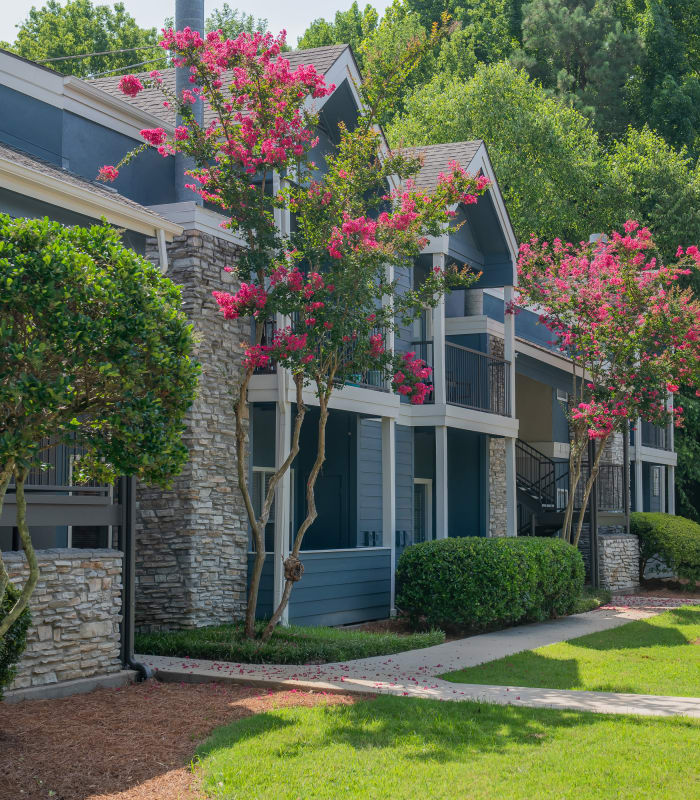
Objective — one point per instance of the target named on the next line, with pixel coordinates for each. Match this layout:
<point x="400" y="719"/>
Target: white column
<point x="511" y="489"/>
<point x="671" y="480"/>
<point x="283" y="494"/>
<point x="389" y="496"/>
<point x="441" y="493"/>
<point x="509" y="345"/>
<point x="439" y="340"/>
<point x="162" y="251"/>
<point x="638" y="476"/>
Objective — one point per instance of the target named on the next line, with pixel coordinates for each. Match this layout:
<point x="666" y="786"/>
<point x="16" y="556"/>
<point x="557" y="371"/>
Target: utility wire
<point x="101" y="53"/>
<point x="127" y="66"/>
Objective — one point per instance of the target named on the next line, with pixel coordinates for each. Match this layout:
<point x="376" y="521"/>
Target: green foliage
<point x="350" y="27"/>
<point x="79" y="27"/>
<point x="477" y="583"/>
<point x="233" y="22"/>
<point x="590" y="599"/>
<point x="549" y="162"/>
<point x="290" y="645"/>
<point x="661" y="188"/>
<point x="675" y="540"/>
<point x="651" y="656"/>
<point x="12" y="644"/>
<point x="94" y="350"/>
<point x="582" y="53"/>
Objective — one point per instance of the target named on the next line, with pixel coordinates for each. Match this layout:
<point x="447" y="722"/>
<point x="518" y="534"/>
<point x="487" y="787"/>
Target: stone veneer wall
<point x="619" y="561"/>
<point x="76" y="613"/>
<point x="498" y="511"/>
<point x="192" y="540"/>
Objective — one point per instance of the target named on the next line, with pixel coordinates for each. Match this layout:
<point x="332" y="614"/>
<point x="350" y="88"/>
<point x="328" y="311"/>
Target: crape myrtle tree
<point x="329" y="280"/>
<point x="94" y="353"/>
<point x="630" y="329"/>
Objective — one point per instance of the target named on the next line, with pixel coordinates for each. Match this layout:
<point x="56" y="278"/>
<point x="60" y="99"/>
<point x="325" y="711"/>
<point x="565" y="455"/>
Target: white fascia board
<point x="457" y="326"/>
<point x="457" y="417"/>
<point x="49" y="189"/>
<point x="437" y="244"/>
<point x="482" y="161"/>
<point x="75" y="95"/>
<point x="654" y="456"/>
<point x="553" y="359"/>
<point x="191" y="216"/>
<point x="86" y="100"/>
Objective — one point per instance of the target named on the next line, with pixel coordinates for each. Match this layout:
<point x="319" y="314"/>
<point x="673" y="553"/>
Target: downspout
<point x="162" y="251"/>
<point x="127" y="494"/>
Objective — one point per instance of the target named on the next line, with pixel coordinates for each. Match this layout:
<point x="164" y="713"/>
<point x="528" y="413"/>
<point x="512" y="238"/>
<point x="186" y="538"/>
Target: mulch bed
<point x="124" y="744"/>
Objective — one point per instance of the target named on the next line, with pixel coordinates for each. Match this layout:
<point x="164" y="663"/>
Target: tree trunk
<point x="5" y="476"/>
<point x="293" y="567"/>
<point x="258" y="524"/>
<point x="575" y="459"/>
<point x="589" y="486"/>
<point x="30" y="584"/>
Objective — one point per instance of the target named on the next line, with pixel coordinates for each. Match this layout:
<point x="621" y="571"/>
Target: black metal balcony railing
<point x="477" y="380"/>
<point x="654" y="436"/>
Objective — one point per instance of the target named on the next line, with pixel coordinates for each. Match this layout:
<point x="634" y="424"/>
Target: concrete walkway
<point x="412" y="673"/>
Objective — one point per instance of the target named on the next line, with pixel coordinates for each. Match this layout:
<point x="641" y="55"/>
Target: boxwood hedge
<point x="676" y="540"/>
<point x="477" y="583"/>
<point x="14" y="641"/>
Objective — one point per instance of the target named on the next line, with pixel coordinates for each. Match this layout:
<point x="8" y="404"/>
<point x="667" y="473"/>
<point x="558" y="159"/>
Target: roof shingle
<point x="151" y="100"/>
<point x="437" y="156"/>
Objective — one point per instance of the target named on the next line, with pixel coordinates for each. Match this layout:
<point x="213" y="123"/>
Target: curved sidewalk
<point x="412" y="673"/>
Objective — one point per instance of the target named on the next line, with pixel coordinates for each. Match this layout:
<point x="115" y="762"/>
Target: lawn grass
<point x="292" y="645"/>
<point x="396" y="748"/>
<point x="590" y="599"/>
<point x="660" y="655"/>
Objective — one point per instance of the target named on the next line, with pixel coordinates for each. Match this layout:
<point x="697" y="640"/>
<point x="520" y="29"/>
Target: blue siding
<point x="404" y="336"/>
<point x="342" y="587"/>
<point x="544" y="373"/>
<point x="339" y="587"/>
<point x="31" y="125"/>
<point x="369" y="482"/>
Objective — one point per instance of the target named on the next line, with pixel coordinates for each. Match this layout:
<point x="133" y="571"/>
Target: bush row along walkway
<point x="413" y="673"/>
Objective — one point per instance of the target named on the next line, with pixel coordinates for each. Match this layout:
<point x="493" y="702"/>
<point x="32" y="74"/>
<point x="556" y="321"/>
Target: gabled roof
<point x="436" y="158"/>
<point x="37" y="178"/>
<point x="151" y="100"/>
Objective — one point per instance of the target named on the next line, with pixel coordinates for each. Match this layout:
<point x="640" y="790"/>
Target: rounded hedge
<point x="477" y="583"/>
<point x="14" y="641"/>
<point x="676" y="540"/>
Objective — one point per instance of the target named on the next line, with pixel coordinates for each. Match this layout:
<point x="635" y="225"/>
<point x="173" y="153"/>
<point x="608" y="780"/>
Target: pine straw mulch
<point x="124" y="744"/>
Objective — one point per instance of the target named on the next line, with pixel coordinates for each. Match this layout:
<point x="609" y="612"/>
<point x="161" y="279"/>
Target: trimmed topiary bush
<point x="675" y="540"/>
<point x="477" y="583"/>
<point x="14" y="641"/>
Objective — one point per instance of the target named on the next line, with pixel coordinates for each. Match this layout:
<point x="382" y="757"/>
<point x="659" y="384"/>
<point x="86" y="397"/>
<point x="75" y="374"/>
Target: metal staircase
<point x="542" y="486"/>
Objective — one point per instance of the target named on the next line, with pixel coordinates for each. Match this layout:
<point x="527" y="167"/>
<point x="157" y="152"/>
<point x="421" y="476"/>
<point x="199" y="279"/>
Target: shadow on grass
<point x="426" y="730"/>
<point x="643" y="633"/>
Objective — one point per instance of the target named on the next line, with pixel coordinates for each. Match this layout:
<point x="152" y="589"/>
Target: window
<point x="422" y="509"/>
<point x="562" y="396"/>
<point x="656" y="481"/>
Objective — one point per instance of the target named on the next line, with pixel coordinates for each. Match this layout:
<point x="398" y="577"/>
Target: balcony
<point x="654" y="436"/>
<point x="473" y="379"/>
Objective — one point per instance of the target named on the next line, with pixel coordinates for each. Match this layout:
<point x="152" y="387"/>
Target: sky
<point x="151" y="13"/>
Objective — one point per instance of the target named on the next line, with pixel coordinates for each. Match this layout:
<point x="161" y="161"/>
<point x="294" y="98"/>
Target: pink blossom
<point x="108" y="174"/>
<point x="130" y="85"/>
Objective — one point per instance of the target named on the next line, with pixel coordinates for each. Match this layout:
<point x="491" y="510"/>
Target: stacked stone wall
<point x="76" y="614"/>
<point x="192" y="540"/>
<point x="619" y="561"/>
<point x="498" y="511"/>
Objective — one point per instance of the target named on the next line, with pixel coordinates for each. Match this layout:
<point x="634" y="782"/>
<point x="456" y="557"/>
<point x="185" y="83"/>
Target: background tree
<point x="581" y="52"/>
<point x="79" y="27"/>
<point x="95" y="353"/>
<point x="349" y="27"/>
<point x="231" y="22"/>
<point x="551" y="167"/>
<point x="631" y="331"/>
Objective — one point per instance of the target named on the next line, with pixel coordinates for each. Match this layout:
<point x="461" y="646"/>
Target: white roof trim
<point x="50" y="189"/>
<point x="191" y="216"/>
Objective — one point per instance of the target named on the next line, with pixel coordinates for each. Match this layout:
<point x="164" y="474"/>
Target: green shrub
<point x="676" y="540"/>
<point x="14" y="641"/>
<point x="478" y="583"/>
